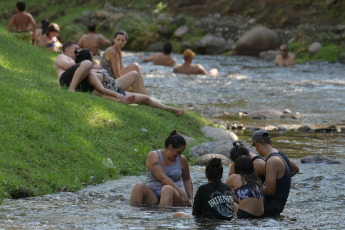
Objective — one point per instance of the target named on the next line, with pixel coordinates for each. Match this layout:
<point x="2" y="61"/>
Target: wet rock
<point x="211" y="44"/>
<point x="219" y="134"/>
<point x="319" y="159"/>
<point x="220" y="147"/>
<point x="269" y="55"/>
<point x="341" y="58"/>
<point x="257" y="40"/>
<point x="304" y="129"/>
<point x="155" y="47"/>
<point x="270" y="114"/>
<point x="314" y="47"/>
<point x="203" y="160"/>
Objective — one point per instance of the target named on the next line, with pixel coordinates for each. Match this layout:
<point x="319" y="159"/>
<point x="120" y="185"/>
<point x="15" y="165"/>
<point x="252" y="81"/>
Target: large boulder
<point x="203" y="160"/>
<point x="220" y="147"/>
<point x="219" y="134"/>
<point x="257" y="40"/>
<point x="211" y="44"/>
<point x="271" y="114"/>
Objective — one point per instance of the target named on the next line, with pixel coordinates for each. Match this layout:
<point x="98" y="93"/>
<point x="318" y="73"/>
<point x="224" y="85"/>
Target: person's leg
<point x="142" y="194"/>
<point x="130" y="79"/>
<point x="135" y="67"/>
<point x="124" y="100"/>
<point x="80" y="74"/>
<point x="182" y="215"/>
<point x="170" y="197"/>
<point x="144" y="99"/>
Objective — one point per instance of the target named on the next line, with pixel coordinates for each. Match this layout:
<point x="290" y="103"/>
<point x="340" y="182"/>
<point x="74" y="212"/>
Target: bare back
<point x="190" y="69"/>
<point x="93" y="42"/>
<point x="163" y="59"/>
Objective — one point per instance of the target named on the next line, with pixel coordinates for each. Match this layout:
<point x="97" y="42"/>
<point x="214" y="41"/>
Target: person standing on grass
<point x="22" y="20"/>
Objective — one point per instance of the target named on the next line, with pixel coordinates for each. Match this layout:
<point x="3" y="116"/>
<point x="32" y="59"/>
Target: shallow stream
<point x="317" y="197"/>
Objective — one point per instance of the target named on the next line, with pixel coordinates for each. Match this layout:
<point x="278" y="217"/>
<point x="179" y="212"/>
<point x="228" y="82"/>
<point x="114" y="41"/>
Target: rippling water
<point x="316" y="200"/>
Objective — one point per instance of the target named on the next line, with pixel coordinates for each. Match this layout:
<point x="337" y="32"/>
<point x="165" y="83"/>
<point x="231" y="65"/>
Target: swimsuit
<point x="110" y="83"/>
<point x="51" y="44"/>
<point x="244" y="192"/>
<point x="174" y="172"/>
<point x="107" y="66"/>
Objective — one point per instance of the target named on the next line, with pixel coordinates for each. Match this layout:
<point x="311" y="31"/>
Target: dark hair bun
<point x="174" y="132"/>
<point x="83" y="55"/>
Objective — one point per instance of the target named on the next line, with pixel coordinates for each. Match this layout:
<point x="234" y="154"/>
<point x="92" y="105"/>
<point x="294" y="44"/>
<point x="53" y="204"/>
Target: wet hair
<point x="175" y="139"/>
<point x="245" y="167"/>
<point x="83" y="55"/>
<point x="45" y="24"/>
<point x="214" y="170"/>
<point x="21" y="6"/>
<point x="53" y="27"/>
<point x="121" y="32"/>
<point x="91" y="27"/>
<point x="167" y="49"/>
<point x="238" y="150"/>
<point x="68" y="44"/>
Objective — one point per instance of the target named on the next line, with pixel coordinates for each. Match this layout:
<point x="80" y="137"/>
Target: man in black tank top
<point x="279" y="170"/>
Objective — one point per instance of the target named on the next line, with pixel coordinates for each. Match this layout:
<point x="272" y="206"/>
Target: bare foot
<point x="128" y="99"/>
<point x="177" y="112"/>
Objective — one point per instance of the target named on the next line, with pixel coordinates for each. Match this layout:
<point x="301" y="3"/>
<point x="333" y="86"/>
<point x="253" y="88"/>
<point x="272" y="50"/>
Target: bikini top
<point x="244" y="192"/>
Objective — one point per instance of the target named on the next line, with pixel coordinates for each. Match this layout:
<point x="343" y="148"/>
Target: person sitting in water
<point x="22" y="21"/>
<point x="278" y="173"/>
<point x="213" y="200"/>
<point x="102" y="83"/>
<point x="112" y="61"/>
<point x="284" y="58"/>
<point x="93" y="41"/>
<point x="50" y="39"/>
<point x="161" y="58"/>
<point x="238" y="150"/>
<point x="188" y="68"/>
<point x="168" y="180"/>
<point x="247" y="189"/>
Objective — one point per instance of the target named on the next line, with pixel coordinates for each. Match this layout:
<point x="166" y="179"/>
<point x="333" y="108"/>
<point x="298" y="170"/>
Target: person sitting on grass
<point x="102" y="83"/>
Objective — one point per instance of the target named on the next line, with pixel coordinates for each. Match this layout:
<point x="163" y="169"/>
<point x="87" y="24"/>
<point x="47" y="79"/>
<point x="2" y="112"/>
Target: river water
<point x="317" y="197"/>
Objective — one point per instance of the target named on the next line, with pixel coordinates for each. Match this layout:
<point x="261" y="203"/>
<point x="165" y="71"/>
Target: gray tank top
<point x="107" y="66"/>
<point x="174" y="172"/>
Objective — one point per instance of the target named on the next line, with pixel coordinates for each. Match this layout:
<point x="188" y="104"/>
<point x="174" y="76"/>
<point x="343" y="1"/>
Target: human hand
<point x="185" y="200"/>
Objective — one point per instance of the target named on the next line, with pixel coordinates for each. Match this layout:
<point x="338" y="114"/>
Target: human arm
<point x="201" y="70"/>
<point x="63" y="62"/>
<point x="81" y="41"/>
<point x="10" y="24"/>
<point x="187" y="180"/>
<point x="155" y="166"/>
<point x="148" y="59"/>
<point x="232" y="169"/>
<point x="259" y="166"/>
<point x="103" y="41"/>
<point x="34" y="26"/>
<point x="293" y="168"/>
<point x="272" y="172"/>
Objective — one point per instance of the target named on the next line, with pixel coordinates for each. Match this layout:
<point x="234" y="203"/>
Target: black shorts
<point x="246" y="215"/>
<point x="273" y="207"/>
<point x="67" y="76"/>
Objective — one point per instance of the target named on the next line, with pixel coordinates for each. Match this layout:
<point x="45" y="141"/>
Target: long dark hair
<point x="238" y="150"/>
<point x="244" y="166"/>
<point x="175" y="139"/>
<point x="214" y="170"/>
<point x="82" y="55"/>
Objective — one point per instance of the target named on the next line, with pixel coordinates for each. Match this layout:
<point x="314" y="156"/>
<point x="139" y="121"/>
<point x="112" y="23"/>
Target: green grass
<point x="52" y="138"/>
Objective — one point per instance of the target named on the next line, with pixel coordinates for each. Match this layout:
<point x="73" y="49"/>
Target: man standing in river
<point x="278" y="170"/>
<point x="284" y="58"/>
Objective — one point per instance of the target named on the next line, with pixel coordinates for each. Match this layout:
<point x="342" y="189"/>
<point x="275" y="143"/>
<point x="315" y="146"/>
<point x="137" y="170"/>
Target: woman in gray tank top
<point x="168" y="180"/>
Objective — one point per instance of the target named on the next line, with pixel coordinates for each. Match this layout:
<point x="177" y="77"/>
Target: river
<point x="316" y="201"/>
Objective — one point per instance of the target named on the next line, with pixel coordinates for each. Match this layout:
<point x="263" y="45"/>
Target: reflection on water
<point x="316" y="200"/>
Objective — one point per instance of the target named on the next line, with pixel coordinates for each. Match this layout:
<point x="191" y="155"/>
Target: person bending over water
<point x="258" y="162"/>
<point x="161" y="58"/>
<point x="188" y="68"/>
<point x="112" y="62"/>
<point x="168" y="180"/>
<point x="101" y="85"/>
<point x="247" y="189"/>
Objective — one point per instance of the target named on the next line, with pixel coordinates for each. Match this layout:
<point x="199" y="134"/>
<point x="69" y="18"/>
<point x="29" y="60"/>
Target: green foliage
<point x="52" y="139"/>
<point x="160" y="7"/>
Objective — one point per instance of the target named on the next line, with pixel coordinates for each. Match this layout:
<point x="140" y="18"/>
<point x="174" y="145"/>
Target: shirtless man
<point x="188" y="68"/>
<point x="161" y="58"/>
<point x="93" y="41"/>
<point x="279" y="170"/>
<point x="68" y="72"/>
<point x="284" y="58"/>
<point x="22" y="20"/>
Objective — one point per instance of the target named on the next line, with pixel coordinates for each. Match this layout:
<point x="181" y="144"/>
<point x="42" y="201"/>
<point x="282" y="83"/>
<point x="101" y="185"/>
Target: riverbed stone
<point x="271" y="114"/>
<point x="314" y="47"/>
<point x="203" y="160"/>
<point x="319" y="159"/>
<point x="257" y="40"/>
<point x="211" y="44"/>
<point x="219" y="134"/>
<point x="188" y="139"/>
<point x="269" y="55"/>
<point x="220" y="147"/>
<point x="181" y="31"/>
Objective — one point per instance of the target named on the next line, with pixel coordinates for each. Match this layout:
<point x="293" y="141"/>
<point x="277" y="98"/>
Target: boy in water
<point x="22" y="20"/>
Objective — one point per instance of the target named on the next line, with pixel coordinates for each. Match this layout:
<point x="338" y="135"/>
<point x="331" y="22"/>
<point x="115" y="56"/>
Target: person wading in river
<point x="284" y="58"/>
<point x="278" y="173"/>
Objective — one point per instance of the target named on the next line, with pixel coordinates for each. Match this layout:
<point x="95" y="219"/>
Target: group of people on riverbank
<point x="257" y="186"/>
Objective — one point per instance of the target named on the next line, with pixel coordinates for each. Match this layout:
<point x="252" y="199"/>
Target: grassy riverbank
<point x="53" y="139"/>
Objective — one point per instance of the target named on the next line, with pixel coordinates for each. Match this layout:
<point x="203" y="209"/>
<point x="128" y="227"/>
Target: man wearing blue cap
<point x="279" y="170"/>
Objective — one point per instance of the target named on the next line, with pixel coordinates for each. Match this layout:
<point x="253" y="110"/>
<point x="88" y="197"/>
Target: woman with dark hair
<point x="213" y="200"/>
<point x="105" y="86"/>
<point x="168" y="180"/>
<point x="240" y="150"/>
<point x="112" y="62"/>
<point x="247" y="189"/>
<point x="41" y="30"/>
<point x="50" y="40"/>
